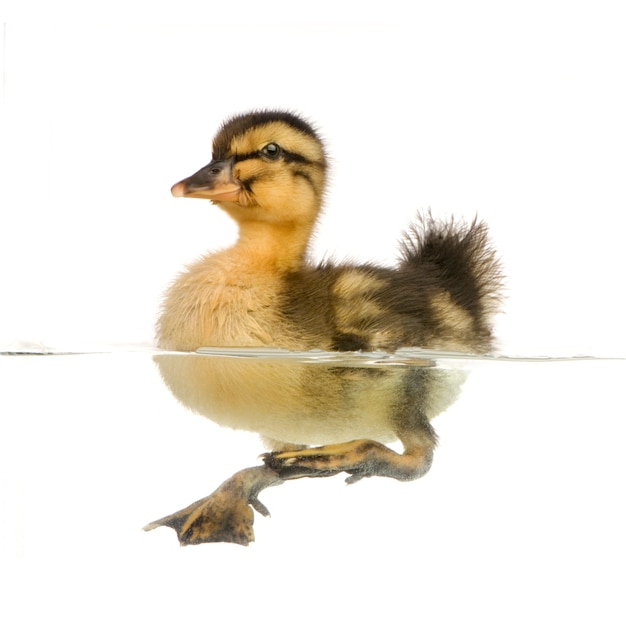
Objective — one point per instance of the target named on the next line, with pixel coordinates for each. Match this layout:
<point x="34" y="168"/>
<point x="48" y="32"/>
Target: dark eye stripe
<point x="238" y="158"/>
<point x="290" y="157"/>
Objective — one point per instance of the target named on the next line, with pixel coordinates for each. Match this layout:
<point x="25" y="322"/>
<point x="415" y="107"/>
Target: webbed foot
<point x="226" y="515"/>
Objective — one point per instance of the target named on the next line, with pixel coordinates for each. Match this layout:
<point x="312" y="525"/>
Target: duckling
<point x="268" y="173"/>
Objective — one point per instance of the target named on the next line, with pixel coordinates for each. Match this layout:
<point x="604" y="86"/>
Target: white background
<point x="513" y="113"/>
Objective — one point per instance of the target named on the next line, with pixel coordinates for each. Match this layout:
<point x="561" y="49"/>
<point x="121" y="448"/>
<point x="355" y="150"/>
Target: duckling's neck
<point x="278" y="247"/>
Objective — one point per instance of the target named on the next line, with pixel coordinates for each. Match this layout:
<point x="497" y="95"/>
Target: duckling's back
<point x="442" y="295"/>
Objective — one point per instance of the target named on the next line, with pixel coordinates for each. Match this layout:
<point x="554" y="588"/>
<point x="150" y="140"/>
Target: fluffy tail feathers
<point x="457" y="259"/>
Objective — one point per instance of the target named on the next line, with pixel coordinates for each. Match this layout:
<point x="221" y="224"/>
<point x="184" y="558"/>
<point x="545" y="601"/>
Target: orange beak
<point x="213" y="182"/>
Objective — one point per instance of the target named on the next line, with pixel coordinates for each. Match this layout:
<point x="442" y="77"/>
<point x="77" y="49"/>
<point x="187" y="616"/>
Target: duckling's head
<point x="267" y="166"/>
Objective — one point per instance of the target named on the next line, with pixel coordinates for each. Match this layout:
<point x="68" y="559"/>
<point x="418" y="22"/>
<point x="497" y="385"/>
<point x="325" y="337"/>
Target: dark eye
<point x="272" y="150"/>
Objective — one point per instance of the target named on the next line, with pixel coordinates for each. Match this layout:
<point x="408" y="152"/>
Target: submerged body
<point x="268" y="173"/>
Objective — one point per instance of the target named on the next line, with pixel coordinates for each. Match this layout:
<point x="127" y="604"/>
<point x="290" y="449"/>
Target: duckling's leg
<point x="360" y="458"/>
<point x="226" y="515"/>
